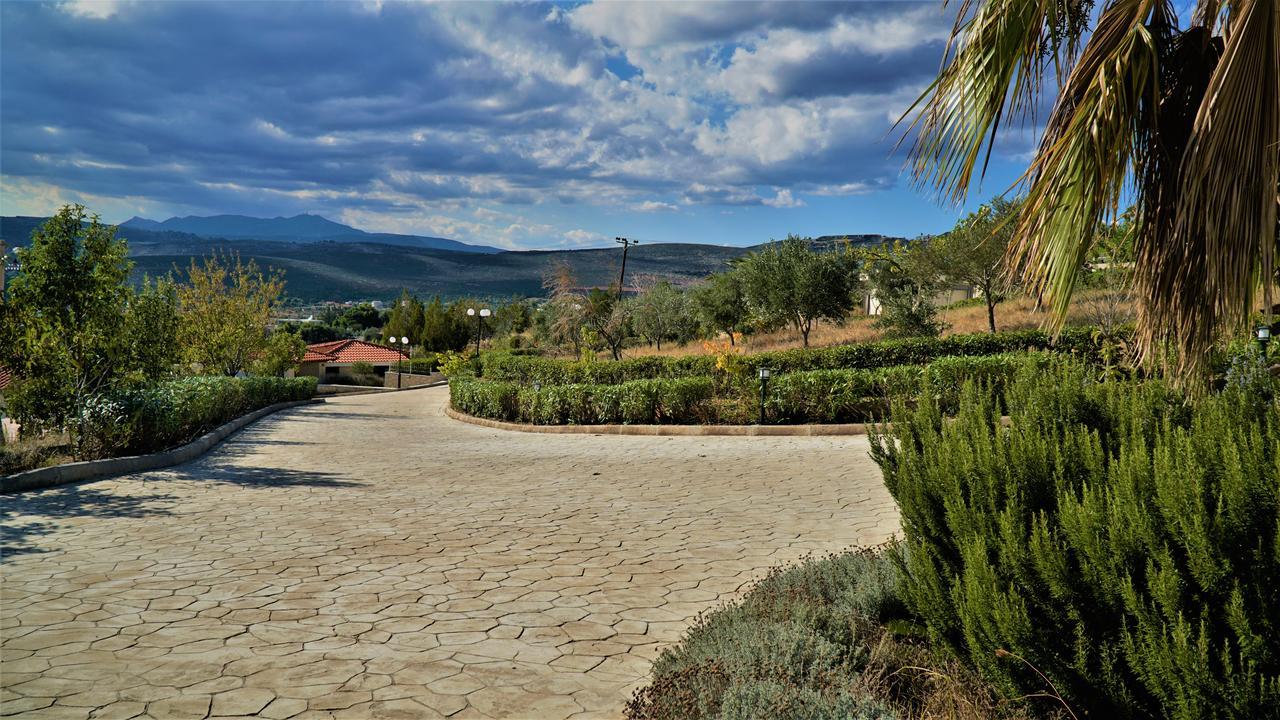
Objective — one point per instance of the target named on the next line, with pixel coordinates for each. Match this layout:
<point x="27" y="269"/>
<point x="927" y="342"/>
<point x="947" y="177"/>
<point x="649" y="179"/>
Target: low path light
<point x="1263" y="335"/>
<point x="764" y="384"/>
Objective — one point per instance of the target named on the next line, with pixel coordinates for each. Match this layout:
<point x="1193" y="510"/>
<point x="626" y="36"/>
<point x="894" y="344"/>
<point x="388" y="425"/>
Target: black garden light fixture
<point x="764" y="384"/>
<point x="1263" y="336"/>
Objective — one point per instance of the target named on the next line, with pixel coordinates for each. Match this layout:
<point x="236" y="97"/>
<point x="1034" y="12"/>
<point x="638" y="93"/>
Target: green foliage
<point x="719" y="303"/>
<point x="151" y="329"/>
<point x="789" y="283"/>
<point x="817" y="396"/>
<point x="810" y="641"/>
<point x="973" y="252"/>
<point x="405" y="319"/>
<point x="663" y="313"/>
<point x="796" y="646"/>
<point x="455" y="364"/>
<point x="1078" y="342"/>
<point x="62" y="329"/>
<point x="1122" y="540"/>
<point x="683" y="400"/>
<point x="161" y="415"/>
<point x="906" y="277"/>
<point x="608" y="320"/>
<point x="226" y="312"/>
<point x="282" y="353"/>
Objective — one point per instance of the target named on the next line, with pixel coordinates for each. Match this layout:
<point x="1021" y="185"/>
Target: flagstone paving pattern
<point x="372" y="558"/>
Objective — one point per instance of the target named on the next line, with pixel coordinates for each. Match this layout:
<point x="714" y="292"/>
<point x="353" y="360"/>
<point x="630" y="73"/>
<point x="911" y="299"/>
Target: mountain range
<point x="297" y="229"/>
<point x="355" y="265"/>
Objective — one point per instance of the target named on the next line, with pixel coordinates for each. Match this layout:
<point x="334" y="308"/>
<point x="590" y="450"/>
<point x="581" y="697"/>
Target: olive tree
<point x="791" y="283"/>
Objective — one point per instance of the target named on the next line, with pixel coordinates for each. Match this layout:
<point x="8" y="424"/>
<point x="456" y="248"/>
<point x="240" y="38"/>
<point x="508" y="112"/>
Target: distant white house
<point x="953" y="294"/>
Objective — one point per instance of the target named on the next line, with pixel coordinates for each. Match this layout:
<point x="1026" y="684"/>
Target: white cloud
<point x="656" y="206"/>
<point x="96" y="9"/>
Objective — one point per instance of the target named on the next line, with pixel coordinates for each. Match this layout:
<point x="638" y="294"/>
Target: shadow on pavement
<point x="255" y="476"/>
<point x="27" y="515"/>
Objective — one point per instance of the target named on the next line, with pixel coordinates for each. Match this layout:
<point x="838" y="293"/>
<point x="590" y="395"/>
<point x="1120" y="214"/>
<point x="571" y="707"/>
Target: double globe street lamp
<point x="478" y="314"/>
<point x="404" y="344"/>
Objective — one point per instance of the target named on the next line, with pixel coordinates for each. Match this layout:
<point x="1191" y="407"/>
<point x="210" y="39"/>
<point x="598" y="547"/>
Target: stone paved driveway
<point x="372" y="558"/>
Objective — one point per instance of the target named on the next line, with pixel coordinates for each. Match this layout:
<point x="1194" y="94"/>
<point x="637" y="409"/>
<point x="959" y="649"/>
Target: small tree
<point x="974" y="251"/>
<point x="282" y="353"/>
<point x="905" y="279"/>
<point x="789" y="283"/>
<point x="720" y="304"/>
<point x="662" y="313"/>
<point x="63" y="329"/>
<point x="406" y="318"/>
<point x="608" y="319"/>
<point x="226" y="312"/>
<point x="561" y="318"/>
<point x="152" y="326"/>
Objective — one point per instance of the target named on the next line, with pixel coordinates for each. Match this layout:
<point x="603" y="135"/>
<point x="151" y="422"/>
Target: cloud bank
<point x="486" y="122"/>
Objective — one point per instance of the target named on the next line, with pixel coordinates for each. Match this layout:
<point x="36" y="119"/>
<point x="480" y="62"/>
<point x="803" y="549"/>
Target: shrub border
<point x="814" y="430"/>
<point x="101" y="469"/>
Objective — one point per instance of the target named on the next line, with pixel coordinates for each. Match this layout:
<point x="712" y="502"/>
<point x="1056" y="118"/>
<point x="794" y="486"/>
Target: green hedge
<point x="1124" y="541"/>
<point x="166" y="414"/>
<point x="681" y="400"/>
<point x="1079" y="342"/>
<point x="816" y="396"/>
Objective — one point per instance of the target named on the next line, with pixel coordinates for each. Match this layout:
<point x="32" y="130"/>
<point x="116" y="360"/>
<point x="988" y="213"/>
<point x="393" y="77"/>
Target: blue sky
<point x="518" y="125"/>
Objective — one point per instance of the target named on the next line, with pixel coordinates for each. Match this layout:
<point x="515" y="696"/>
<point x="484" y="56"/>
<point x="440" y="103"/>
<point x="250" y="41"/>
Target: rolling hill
<point x="372" y="269"/>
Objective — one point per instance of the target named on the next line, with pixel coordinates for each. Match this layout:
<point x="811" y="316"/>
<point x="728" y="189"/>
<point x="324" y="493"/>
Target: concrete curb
<point x="98" y="469"/>
<point x="669" y="430"/>
<point x="377" y="391"/>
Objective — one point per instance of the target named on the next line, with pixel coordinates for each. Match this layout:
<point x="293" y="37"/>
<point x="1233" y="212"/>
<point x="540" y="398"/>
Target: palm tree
<point x="1182" y="121"/>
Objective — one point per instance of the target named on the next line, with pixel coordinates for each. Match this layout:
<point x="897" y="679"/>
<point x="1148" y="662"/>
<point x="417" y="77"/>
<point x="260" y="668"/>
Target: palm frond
<point x="997" y="62"/>
<point x="1094" y="137"/>
<point x="1204" y="276"/>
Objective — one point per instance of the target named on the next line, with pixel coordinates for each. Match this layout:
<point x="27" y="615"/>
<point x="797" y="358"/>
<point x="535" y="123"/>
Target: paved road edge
<point x="672" y="430"/>
<point x="99" y="469"/>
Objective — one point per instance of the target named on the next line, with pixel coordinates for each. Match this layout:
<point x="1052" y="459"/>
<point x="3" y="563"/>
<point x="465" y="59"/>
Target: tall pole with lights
<point x="478" y="314"/>
<point x="622" y="276"/>
<point x="404" y="343"/>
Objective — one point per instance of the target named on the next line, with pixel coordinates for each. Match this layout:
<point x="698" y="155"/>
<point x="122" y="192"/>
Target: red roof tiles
<point x="349" y="351"/>
<point x="6" y="377"/>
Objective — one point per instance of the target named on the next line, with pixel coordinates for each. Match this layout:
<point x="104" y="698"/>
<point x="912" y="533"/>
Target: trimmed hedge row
<point x="679" y="400"/>
<point x="1079" y="341"/>
<point x="166" y="414"/>
<point x="817" y="396"/>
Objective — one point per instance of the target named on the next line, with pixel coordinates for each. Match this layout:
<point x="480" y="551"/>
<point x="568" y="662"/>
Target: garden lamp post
<point x="481" y="313"/>
<point x="1263" y="335"/>
<point x="404" y="343"/>
<point x="764" y="384"/>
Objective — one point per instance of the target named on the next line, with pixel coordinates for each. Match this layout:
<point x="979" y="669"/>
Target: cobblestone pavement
<point x="372" y="558"/>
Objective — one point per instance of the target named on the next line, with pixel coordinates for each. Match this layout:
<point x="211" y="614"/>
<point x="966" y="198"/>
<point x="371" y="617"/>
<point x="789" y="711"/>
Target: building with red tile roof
<point x="6" y="377"/>
<point x="331" y="359"/>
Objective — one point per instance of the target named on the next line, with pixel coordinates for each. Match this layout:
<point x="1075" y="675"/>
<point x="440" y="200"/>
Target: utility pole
<point x="622" y="277"/>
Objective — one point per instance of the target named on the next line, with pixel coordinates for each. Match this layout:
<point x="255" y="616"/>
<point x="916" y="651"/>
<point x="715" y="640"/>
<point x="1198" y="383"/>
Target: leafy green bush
<point x="165" y="414"/>
<point x="682" y="400"/>
<point x="816" y="396"/>
<point x="1078" y="342"/>
<point x="1123" y="540"/>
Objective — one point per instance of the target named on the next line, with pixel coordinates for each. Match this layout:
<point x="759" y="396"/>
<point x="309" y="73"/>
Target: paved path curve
<point x="373" y="558"/>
